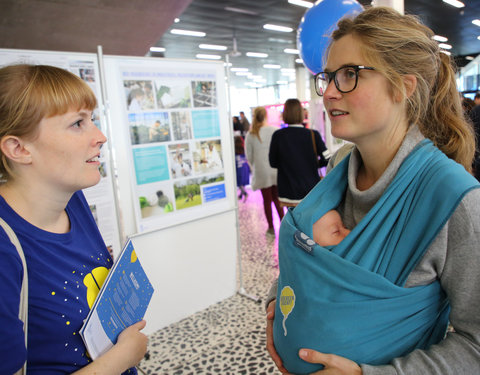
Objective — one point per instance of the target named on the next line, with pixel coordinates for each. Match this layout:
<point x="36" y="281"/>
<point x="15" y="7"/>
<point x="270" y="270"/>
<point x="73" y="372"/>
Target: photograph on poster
<point x="192" y="192"/>
<point x="180" y="160"/>
<point x="88" y="75"/>
<point x="155" y="199"/>
<point x="181" y="125"/>
<point x="204" y="94"/>
<point x="139" y="95"/>
<point x="149" y="127"/>
<point x="173" y="95"/>
<point x="206" y="156"/>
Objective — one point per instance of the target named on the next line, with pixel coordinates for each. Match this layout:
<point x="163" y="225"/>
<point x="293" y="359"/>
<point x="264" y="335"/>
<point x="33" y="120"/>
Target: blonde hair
<point x="397" y="45"/>
<point x="259" y="117"/>
<point x="30" y="93"/>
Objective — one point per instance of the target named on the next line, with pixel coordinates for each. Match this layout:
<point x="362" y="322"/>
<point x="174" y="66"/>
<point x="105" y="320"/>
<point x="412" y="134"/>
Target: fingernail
<point x="303" y="353"/>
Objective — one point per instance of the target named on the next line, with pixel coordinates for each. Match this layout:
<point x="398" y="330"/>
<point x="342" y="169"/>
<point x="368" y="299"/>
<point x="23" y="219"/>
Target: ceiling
<point x="131" y="27"/>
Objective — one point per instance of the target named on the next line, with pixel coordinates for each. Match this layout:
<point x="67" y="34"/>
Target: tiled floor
<point x="227" y="338"/>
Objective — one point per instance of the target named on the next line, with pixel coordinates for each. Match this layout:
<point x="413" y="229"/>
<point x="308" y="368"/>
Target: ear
<point x="14" y="148"/>
<point x="410" y="83"/>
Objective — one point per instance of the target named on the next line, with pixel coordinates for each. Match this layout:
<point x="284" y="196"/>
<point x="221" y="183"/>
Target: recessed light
<point x="283" y="29"/>
<point x="455" y="3"/>
<point x="208" y="57"/>
<point x="291" y="51"/>
<point x="271" y="66"/>
<point x="213" y="47"/>
<point x="176" y="20"/>
<point x="299" y="61"/>
<point x="445" y="52"/>
<point x="476" y="22"/>
<point x="257" y="54"/>
<point x="439" y="38"/>
<point x="445" y="46"/>
<point x="239" y="70"/>
<point x="199" y="34"/>
<point x="302" y="3"/>
<point x="157" y="49"/>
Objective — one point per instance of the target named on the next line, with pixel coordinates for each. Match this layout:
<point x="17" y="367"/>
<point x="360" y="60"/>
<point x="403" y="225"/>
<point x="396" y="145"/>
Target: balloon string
<point x="284" y="327"/>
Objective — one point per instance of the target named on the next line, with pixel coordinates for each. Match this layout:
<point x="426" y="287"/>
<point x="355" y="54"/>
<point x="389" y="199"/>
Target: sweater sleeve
<point x="273" y="152"/>
<point x="459" y="352"/>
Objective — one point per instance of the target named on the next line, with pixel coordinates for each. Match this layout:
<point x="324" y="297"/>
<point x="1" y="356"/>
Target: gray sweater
<point x="453" y="258"/>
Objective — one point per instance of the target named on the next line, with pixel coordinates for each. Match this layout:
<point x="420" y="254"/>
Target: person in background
<point x="237" y="126"/>
<point x="245" y="123"/>
<point x="297" y="153"/>
<point x="264" y="177"/>
<point x="241" y="166"/>
<point x="477" y="98"/>
<point x="389" y="89"/>
<point x="50" y="151"/>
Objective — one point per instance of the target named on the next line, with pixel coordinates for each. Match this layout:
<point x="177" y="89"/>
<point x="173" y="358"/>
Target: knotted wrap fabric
<point x="350" y="299"/>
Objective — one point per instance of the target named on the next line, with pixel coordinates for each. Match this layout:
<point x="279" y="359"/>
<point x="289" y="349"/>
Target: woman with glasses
<point x="380" y="301"/>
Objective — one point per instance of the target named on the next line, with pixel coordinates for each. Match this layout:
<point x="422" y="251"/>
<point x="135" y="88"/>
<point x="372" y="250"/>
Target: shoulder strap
<point x="23" y="311"/>
<point x="314" y="143"/>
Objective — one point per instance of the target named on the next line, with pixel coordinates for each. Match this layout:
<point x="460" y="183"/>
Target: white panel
<point x="191" y="267"/>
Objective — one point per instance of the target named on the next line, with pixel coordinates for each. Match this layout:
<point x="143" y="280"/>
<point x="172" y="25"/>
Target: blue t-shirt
<point x="65" y="272"/>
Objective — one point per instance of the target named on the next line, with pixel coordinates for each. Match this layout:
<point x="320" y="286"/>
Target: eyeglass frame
<point x="332" y="76"/>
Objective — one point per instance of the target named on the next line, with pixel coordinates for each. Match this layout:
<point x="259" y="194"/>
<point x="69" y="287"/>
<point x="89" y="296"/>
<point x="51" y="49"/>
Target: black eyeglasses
<point x="345" y="78"/>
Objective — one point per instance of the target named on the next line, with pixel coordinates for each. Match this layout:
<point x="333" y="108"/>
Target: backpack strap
<point x="23" y="311"/>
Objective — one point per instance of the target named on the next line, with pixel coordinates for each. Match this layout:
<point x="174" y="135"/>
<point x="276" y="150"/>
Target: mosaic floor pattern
<point x="227" y="338"/>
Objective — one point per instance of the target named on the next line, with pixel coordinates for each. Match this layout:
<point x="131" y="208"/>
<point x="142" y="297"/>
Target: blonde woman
<point x="264" y="177"/>
<point x="380" y="301"/>
<point x="50" y="150"/>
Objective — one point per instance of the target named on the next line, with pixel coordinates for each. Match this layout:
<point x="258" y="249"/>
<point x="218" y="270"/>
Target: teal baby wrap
<point x="350" y="299"/>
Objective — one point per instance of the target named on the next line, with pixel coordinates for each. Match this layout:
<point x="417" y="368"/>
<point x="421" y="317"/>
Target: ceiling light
<point x="445" y="46"/>
<point x="288" y="70"/>
<point x="277" y="40"/>
<point x="262" y="80"/>
<point x="176" y="20"/>
<point x="212" y="46"/>
<point x="478" y="37"/>
<point x="208" y="57"/>
<point x="239" y="70"/>
<point x="469" y="58"/>
<point x="227" y="64"/>
<point x="238" y="10"/>
<point x="455" y="3"/>
<point x="292" y="51"/>
<point x="271" y="66"/>
<point x="245" y="74"/>
<point x="299" y="61"/>
<point x="306" y="4"/>
<point x="157" y="49"/>
<point x="445" y="52"/>
<point x="188" y="32"/>
<point x="256" y="54"/>
<point x="439" y="38"/>
<point x="283" y="29"/>
<point x="476" y="22"/>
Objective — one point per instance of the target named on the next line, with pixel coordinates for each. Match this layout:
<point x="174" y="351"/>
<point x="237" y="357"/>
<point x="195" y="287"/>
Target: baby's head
<point x="329" y="229"/>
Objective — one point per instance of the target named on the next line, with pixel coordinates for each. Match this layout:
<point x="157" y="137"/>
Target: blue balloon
<point x="316" y="26"/>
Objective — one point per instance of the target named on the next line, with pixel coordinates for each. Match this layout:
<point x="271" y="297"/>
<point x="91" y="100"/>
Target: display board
<point x="101" y="196"/>
<point x="172" y="123"/>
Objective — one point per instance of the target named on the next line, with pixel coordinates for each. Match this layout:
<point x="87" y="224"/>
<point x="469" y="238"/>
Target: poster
<point x="172" y="119"/>
<point x="99" y="197"/>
